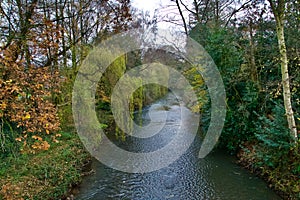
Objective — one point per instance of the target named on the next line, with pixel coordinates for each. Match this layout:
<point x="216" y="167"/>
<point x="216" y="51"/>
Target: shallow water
<point x="214" y="177"/>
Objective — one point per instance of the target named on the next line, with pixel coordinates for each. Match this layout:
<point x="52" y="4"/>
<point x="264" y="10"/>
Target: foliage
<point x="40" y="40"/>
<point x="26" y="97"/>
<point x="8" y="143"/>
<point x="42" y="46"/>
<point x="272" y="155"/>
<point x="273" y="136"/>
<point x="199" y="88"/>
<point x="222" y="46"/>
<point x="142" y="95"/>
<point x="45" y="175"/>
<point x="239" y="125"/>
<point x="256" y="125"/>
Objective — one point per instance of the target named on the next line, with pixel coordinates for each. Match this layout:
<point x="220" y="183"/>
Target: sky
<point x="149" y="5"/>
<point x="170" y="12"/>
<point x="163" y="11"/>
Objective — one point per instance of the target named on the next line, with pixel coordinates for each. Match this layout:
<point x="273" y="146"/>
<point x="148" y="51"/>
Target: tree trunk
<point x="278" y="12"/>
<point x="286" y="80"/>
<point x="253" y="69"/>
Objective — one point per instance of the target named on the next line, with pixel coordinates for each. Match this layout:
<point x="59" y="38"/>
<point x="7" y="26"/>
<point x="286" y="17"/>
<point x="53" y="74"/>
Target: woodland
<point x="43" y="43"/>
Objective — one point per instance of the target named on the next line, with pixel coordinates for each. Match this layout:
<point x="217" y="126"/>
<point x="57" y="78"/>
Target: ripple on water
<point x="188" y="178"/>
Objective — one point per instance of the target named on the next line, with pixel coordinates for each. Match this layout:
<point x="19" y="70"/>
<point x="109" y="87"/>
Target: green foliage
<point x="256" y="124"/>
<point x="243" y="100"/>
<point x="45" y="175"/>
<point x="222" y="46"/>
<point x="135" y="102"/>
<point x="199" y="87"/>
<point x="274" y="155"/>
<point x="64" y="99"/>
<point x="273" y="135"/>
<point x="8" y="144"/>
<point x="133" y="88"/>
<point x="112" y="75"/>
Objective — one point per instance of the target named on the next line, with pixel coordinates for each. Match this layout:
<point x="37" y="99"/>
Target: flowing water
<point x="214" y="177"/>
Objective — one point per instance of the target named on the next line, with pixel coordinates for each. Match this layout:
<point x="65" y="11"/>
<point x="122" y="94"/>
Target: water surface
<point x="214" y="177"/>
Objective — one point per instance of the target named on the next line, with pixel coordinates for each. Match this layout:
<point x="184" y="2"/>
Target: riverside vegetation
<point x="43" y="44"/>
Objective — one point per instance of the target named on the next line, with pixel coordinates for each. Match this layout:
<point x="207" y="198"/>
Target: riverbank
<point x="187" y="178"/>
<point x="282" y="179"/>
<point x="47" y="174"/>
<point x="53" y="174"/>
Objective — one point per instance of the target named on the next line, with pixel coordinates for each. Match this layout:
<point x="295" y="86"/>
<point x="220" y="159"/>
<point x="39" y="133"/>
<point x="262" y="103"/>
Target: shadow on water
<point x="214" y="177"/>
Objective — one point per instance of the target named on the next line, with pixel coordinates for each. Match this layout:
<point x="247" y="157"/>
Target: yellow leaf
<point x="47" y="131"/>
<point x="27" y="116"/>
<point x="3" y="105"/>
<point x="196" y="108"/>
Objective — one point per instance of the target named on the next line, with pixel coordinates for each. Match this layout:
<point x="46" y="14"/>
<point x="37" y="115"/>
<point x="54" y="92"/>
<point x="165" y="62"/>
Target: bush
<point x="274" y="138"/>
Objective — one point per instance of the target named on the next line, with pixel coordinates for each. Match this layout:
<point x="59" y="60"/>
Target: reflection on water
<point x="214" y="177"/>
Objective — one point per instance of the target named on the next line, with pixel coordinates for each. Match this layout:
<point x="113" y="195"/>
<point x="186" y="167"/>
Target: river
<point x="217" y="176"/>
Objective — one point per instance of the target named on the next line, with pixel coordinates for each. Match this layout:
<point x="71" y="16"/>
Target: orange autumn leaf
<point x="41" y="145"/>
<point x="45" y="145"/>
<point x="37" y="138"/>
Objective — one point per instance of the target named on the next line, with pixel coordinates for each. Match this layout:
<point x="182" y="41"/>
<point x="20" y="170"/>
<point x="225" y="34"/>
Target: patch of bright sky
<point x="168" y="32"/>
<point x="163" y="11"/>
<point x="170" y="13"/>
<point x="147" y="5"/>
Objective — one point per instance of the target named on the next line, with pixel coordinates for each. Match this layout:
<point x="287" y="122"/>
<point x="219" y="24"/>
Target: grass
<point x="45" y="175"/>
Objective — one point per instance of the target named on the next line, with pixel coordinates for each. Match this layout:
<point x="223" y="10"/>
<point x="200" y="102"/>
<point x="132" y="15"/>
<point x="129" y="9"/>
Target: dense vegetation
<point x="256" y="127"/>
<point x="43" y="44"/>
<point x="42" y="48"/>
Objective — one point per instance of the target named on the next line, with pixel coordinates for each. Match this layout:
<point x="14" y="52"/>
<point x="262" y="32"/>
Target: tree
<point x="42" y="43"/>
<point x="208" y="12"/>
<point x="278" y="8"/>
<point x="26" y="84"/>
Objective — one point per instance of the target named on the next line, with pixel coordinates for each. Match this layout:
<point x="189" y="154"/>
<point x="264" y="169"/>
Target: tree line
<point x="255" y="46"/>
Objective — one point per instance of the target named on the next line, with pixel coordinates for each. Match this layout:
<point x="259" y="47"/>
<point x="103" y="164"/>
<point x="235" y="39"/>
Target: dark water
<point x="214" y="177"/>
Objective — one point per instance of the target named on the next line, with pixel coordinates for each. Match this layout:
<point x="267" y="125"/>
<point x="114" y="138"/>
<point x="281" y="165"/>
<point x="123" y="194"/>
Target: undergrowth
<point x="45" y="175"/>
